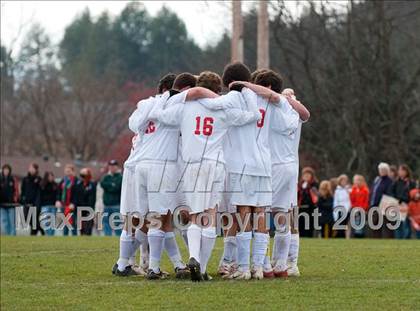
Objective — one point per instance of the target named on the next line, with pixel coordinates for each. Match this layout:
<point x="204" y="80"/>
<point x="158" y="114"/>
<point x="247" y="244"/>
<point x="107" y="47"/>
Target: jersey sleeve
<point x="170" y="116"/>
<point x="140" y="117"/>
<point x="250" y="113"/>
<point x="285" y="118"/>
<point x="226" y="101"/>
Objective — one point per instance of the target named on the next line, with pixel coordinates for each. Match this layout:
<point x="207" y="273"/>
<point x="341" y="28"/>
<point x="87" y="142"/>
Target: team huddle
<point x="231" y="155"/>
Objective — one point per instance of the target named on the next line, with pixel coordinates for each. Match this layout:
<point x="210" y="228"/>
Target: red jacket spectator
<point x="359" y="197"/>
<point x="414" y="208"/>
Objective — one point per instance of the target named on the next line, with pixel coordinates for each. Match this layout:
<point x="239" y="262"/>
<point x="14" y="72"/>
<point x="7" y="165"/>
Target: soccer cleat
<point x="140" y="270"/>
<point x="280" y="273"/>
<point x="206" y="277"/>
<point x="240" y="275"/>
<point x="182" y="273"/>
<point x="224" y="269"/>
<point x="195" y="272"/>
<point x="268" y="273"/>
<point x="128" y="271"/>
<point x="257" y="273"/>
<point x="293" y="271"/>
<point x="152" y="275"/>
<point x="114" y="269"/>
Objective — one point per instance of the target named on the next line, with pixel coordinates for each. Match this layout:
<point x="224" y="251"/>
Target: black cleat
<point x="152" y="275"/>
<point x="182" y="273"/>
<point x="114" y="269"/>
<point x="194" y="267"/>
<point x="128" y="271"/>
<point x="206" y="277"/>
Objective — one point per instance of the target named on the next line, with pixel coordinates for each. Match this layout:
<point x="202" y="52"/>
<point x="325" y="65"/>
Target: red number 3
<point x="207" y="126"/>
<point x="260" y="122"/>
<point x="150" y="128"/>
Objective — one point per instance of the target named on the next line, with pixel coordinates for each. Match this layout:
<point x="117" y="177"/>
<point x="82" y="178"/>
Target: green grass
<point x="44" y="273"/>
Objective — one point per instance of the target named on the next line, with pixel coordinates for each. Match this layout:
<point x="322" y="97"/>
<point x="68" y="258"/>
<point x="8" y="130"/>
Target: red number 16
<point x="207" y="126"/>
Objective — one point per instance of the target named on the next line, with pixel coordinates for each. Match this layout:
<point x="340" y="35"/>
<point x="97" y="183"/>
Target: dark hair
<point x="35" y="166"/>
<point x="407" y="170"/>
<point x="256" y="73"/>
<point x="8" y="167"/>
<point x="166" y="82"/>
<point x="270" y="79"/>
<point x="184" y="80"/>
<point x="210" y="80"/>
<point x="45" y="180"/>
<point x="235" y="72"/>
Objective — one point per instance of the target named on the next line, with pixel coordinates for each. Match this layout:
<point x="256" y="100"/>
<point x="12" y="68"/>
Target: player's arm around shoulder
<point x="245" y="112"/>
<point x="168" y="110"/>
<point x="140" y="116"/>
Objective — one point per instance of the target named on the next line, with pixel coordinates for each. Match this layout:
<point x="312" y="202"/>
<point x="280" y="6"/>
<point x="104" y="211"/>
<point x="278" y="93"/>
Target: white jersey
<point x="159" y="142"/>
<point x="241" y="149"/>
<point x="285" y="135"/>
<point x="137" y="123"/>
<point x="203" y="130"/>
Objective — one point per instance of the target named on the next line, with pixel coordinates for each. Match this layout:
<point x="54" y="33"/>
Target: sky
<point x="54" y="16"/>
<point x="206" y="21"/>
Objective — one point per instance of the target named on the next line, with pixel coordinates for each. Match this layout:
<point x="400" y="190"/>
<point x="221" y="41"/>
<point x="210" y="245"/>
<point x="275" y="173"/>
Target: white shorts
<point x="225" y="206"/>
<point x="156" y="185"/>
<point x="129" y="202"/>
<point x="203" y="185"/>
<point x="248" y="190"/>
<point x="285" y="181"/>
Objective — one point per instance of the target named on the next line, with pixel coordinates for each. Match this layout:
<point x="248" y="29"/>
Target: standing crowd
<point x="49" y="195"/>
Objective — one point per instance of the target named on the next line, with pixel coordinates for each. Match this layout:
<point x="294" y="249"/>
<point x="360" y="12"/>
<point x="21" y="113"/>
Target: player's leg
<point x="171" y="247"/>
<point x="208" y="239"/>
<point x="243" y="240"/>
<point x="282" y="240"/>
<point x="293" y="254"/>
<point x="228" y="261"/>
<point x="259" y="243"/>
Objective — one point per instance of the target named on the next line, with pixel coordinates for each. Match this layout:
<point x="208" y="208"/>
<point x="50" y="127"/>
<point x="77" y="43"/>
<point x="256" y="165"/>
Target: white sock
<point x="229" y="249"/>
<point x="172" y="249"/>
<point x="267" y="263"/>
<point x="126" y="243"/>
<point x="194" y="241"/>
<point x="274" y="253"/>
<point x="294" y="248"/>
<point x="141" y="237"/>
<point x="156" y="239"/>
<point x="243" y="241"/>
<point x="184" y="233"/>
<point x="282" y="241"/>
<point x="208" y="238"/>
<point x="259" y="248"/>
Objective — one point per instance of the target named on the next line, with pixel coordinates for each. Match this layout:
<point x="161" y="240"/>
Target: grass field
<point x="41" y="273"/>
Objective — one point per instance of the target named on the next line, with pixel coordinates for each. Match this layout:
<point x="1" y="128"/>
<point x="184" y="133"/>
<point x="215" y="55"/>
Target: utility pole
<point x="263" y="52"/>
<point x="237" y="48"/>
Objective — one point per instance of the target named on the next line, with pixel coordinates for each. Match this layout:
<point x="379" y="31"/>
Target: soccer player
<point x="203" y="132"/>
<point x="129" y="197"/>
<point x="249" y="176"/>
<point x="285" y="137"/>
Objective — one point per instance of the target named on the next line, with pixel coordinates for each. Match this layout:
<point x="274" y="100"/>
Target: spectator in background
<point x="381" y="185"/>
<point x="359" y="197"/>
<point x="307" y="198"/>
<point x="111" y="184"/>
<point x="400" y="190"/>
<point x="47" y="197"/>
<point x="64" y="197"/>
<point x="325" y="206"/>
<point x="393" y="172"/>
<point x="342" y="205"/>
<point x="9" y="195"/>
<point x="29" y="196"/>
<point x="414" y="210"/>
<point x="334" y="183"/>
<point x="85" y="196"/>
